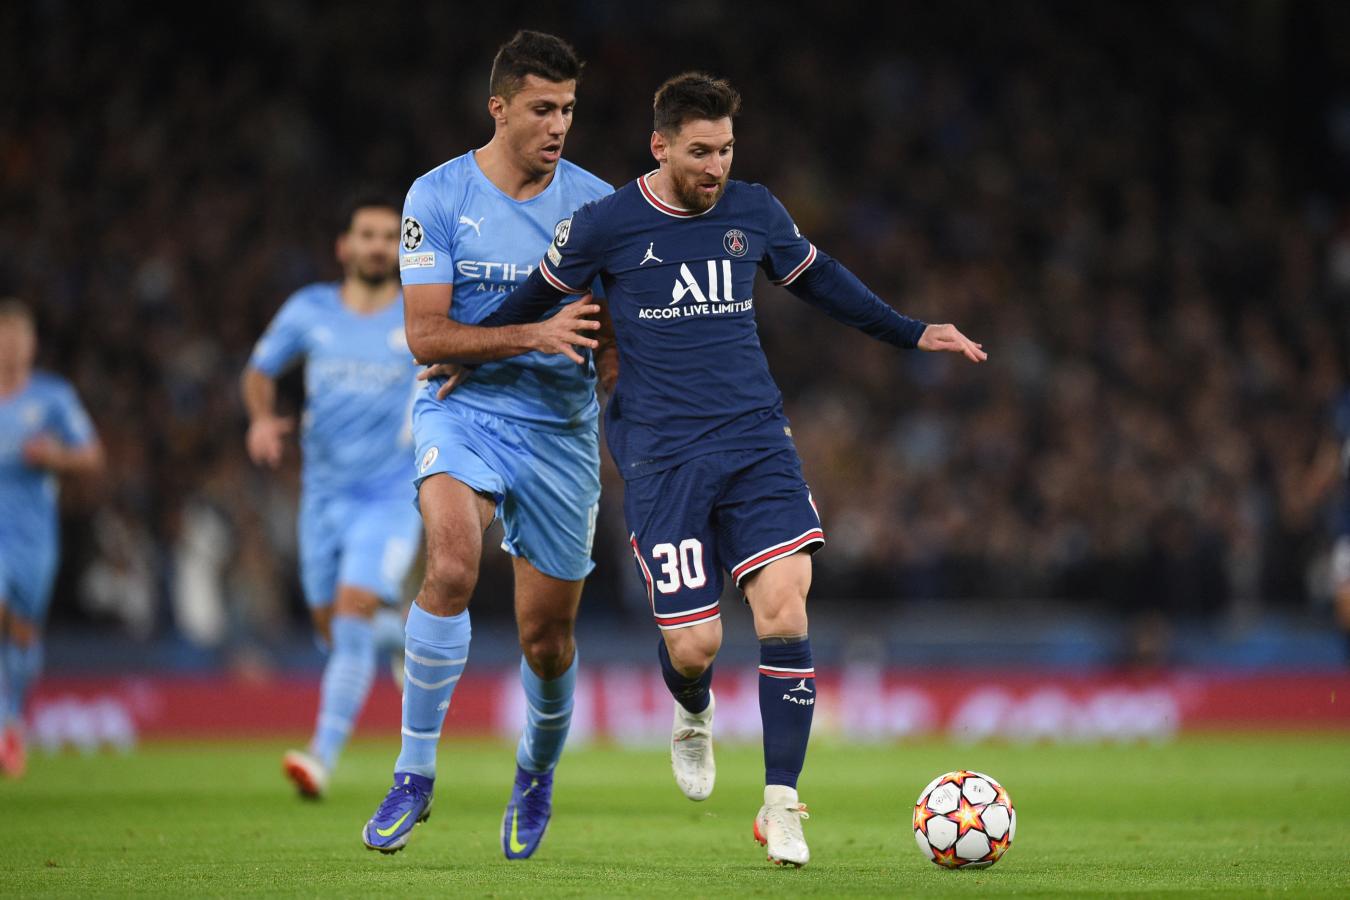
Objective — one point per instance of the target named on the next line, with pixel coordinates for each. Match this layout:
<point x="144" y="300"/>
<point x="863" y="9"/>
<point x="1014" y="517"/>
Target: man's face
<point x="369" y="248"/>
<point x="18" y="347"/>
<point x="536" y="120"/>
<point x="698" y="161"/>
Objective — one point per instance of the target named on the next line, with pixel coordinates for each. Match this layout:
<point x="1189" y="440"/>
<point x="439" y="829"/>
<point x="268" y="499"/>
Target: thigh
<point x="765" y="514"/>
<point x="454" y="517"/>
<point x="378" y="547"/>
<point x="669" y="518"/>
<point x="456" y="442"/>
<point x="551" y="502"/>
<point x="320" y="532"/>
<point x="26" y="587"/>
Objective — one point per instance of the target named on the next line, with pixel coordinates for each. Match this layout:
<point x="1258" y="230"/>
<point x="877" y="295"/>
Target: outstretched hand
<point x="947" y="338"/>
<point x="568" y="330"/>
<point x="266" y="439"/>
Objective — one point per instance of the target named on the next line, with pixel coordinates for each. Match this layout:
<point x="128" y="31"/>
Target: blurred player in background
<point x="359" y="531"/>
<point x="517" y="439"/>
<point x="696" y="423"/>
<point x="44" y="433"/>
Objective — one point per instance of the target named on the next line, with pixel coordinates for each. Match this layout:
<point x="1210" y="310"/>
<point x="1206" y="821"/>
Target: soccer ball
<point x="964" y="820"/>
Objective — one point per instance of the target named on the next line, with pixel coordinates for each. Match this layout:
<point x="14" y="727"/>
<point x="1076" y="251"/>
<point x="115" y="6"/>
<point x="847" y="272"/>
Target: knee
<point x="548" y="648"/>
<point x="692" y="651"/>
<point x="786" y="616"/>
<point x="447" y="586"/>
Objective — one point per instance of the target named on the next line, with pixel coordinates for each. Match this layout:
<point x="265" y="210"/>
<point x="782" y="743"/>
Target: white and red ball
<point x="964" y="820"/>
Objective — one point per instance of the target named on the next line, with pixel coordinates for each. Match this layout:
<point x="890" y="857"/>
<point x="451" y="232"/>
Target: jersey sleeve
<point x="787" y="254"/>
<point x="71" y="422"/>
<point x="283" y="341"/>
<point x="426" y="242"/>
<point x="574" y="258"/>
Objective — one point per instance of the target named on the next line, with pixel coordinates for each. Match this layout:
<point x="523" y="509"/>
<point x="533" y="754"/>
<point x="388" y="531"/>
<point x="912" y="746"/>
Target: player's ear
<point x="340" y="248"/>
<point x="660" y="149"/>
<point x="497" y="109"/>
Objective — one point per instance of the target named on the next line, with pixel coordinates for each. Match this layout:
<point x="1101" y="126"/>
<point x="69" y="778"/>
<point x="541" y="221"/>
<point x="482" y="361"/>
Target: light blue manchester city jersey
<point x="356" y="433"/>
<point x="45" y="405"/>
<point x="460" y="229"/>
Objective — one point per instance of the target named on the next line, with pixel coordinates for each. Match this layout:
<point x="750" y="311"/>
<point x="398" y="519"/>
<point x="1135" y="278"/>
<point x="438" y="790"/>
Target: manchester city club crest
<point x="736" y="242"/>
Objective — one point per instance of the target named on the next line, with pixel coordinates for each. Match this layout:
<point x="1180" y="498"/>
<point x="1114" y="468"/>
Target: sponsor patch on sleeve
<point x="554" y="256"/>
<point x="417" y="261"/>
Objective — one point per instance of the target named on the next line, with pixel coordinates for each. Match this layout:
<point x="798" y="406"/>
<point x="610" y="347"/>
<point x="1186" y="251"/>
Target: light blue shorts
<point x="27" y="572"/>
<point x="546" y="483"/>
<point x="364" y="543"/>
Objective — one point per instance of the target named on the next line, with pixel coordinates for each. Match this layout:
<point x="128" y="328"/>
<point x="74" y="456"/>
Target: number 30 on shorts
<point x="682" y="565"/>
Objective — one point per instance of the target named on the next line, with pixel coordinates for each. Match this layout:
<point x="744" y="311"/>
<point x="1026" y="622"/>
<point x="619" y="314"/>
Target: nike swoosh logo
<point x="515" y="844"/>
<point x="385" y="832"/>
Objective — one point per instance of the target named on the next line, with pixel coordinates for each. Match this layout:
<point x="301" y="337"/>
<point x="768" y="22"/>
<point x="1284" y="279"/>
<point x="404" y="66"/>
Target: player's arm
<point x="434" y="337"/>
<point x="267" y="431"/>
<point x="48" y="452"/>
<point x="794" y="262"/>
<point x="841" y="295"/>
<point x="73" y="448"/>
<point x="606" y="354"/>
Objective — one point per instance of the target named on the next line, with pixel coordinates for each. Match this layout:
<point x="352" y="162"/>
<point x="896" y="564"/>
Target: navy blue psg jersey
<point x="680" y="287"/>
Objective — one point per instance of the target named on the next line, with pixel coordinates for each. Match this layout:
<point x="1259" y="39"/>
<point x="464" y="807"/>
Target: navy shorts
<point x="736" y="510"/>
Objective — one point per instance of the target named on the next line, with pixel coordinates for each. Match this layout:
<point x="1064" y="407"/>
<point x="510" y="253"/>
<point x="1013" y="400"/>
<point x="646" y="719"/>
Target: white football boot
<point x="778" y="827"/>
<point x="307" y="773"/>
<point x="691" y="751"/>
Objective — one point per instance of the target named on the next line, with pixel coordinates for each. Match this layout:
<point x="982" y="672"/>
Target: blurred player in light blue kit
<point x="359" y="530"/>
<point x="44" y="433"/>
<point x="517" y="439"/>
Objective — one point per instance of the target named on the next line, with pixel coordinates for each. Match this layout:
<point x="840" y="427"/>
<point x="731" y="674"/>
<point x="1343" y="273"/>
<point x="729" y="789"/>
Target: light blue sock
<point x="22" y="665"/>
<point x="435" y="651"/>
<point x="346" y="682"/>
<point x="389" y="637"/>
<point x="548" y="715"/>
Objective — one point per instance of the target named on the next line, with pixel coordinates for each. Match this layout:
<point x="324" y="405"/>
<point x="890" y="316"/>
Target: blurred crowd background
<point x="1141" y="210"/>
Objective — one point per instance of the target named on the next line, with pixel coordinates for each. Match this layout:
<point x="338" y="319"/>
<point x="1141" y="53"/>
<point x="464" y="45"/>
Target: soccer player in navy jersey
<point x="696" y="423"/>
<point x="44" y="433"/>
<point x="358" y="528"/>
<point x="516" y="440"/>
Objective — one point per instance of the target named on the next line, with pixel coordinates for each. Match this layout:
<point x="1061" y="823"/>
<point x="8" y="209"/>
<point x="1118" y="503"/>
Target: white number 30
<point x="682" y="565"/>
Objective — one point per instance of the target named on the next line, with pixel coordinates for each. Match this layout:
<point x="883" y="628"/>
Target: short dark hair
<point x="532" y="53"/>
<point x="14" y="308"/>
<point x="366" y="198"/>
<point x="690" y="96"/>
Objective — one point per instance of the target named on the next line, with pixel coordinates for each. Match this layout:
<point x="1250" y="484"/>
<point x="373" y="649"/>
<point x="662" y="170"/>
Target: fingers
<point x="573" y="355"/>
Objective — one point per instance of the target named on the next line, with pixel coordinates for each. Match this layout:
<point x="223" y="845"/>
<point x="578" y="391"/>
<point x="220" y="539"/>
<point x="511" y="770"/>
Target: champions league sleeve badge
<point x="412" y="234"/>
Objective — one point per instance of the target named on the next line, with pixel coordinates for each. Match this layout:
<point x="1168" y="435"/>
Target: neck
<point x="360" y="296"/>
<point x="11" y="382"/>
<point x="661" y="186"/>
<point x="509" y="177"/>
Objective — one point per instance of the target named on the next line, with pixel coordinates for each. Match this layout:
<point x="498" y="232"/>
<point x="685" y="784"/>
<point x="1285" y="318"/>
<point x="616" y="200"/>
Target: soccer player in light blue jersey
<point x="359" y="530"/>
<point x="517" y="439"/>
<point x="44" y="433"/>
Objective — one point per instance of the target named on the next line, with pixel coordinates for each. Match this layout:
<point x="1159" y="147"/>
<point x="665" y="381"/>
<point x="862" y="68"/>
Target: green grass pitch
<point x="1238" y="814"/>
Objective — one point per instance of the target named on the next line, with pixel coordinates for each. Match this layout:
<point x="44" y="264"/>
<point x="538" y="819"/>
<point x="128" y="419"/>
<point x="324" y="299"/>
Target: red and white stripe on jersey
<point x="671" y="621"/>
<point x="646" y="572"/>
<point x="661" y="205"/>
<point x="777" y="551"/>
<point x="793" y="674"/>
<point x="801" y="267"/>
<point x="555" y="281"/>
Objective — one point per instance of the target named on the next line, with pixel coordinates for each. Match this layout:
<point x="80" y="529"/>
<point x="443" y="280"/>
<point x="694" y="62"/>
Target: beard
<point x="373" y="274"/>
<point x="690" y="197"/>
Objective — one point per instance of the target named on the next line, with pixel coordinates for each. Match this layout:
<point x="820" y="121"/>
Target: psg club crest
<point x="736" y="242"/>
<point x="412" y="234"/>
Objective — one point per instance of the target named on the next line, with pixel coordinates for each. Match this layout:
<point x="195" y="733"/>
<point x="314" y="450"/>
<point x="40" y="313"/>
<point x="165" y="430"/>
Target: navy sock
<point x="787" y="698"/>
<point x="691" y="693"/>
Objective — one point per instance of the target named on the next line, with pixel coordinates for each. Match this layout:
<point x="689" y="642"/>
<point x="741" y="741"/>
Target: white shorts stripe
<point x="736" y="569"/>
<point x="686" y="612"/>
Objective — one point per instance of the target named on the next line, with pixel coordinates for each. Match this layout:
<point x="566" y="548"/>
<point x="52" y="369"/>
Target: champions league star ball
<point x="964" y="820"/>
